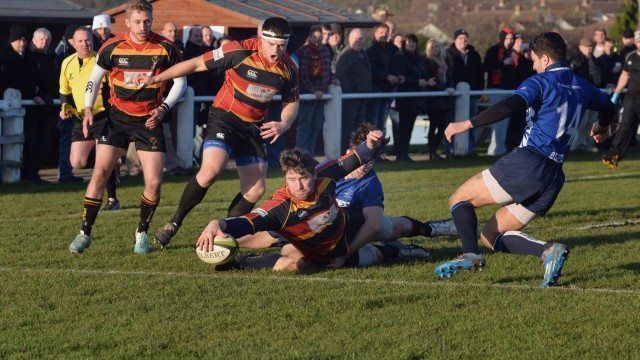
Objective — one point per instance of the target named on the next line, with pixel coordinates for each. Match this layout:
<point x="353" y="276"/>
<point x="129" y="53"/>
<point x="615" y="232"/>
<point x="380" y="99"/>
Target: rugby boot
<point x="442" y="228"/>
<point x="165" y="233"/>
<point x="467" y="261"/>
<point x="112" y="205"/>
<point x="142" y="243"/>
<point x="80" y="243"/>
<point x="553" y="259"/>
<point x="611" y="161"/>
<point x="412" y="252"/>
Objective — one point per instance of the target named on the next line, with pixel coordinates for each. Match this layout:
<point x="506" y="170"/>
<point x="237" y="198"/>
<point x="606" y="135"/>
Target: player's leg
<point x="252" y="187"/>
<point x="259" y="240"/>
<point x="152" y="163"/>
<point x="405" y="226"/>
<point x="106" y="157"/>
<point x="624" y="134"/>
<point x="292" y="259"/>
<point x="79" y="155"/>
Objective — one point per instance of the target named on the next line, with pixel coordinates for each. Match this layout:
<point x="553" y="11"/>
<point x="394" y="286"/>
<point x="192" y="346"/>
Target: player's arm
<point x="506" y="108"/>
<point x="275" y="129"/>
<point x="91" y="93"/>
<point x="178" y="70"/>
<point x="606" y="114"/>
<point x="65" y="94"/>
<point x="372" y="222"/>
<point x="157" y="114"/>
<point x="365" y="152"/>
<point x="622" y="83"/>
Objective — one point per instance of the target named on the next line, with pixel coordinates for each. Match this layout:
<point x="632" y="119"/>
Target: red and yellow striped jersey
<point x="250" y="81"/>
<point x="126" y="60"/>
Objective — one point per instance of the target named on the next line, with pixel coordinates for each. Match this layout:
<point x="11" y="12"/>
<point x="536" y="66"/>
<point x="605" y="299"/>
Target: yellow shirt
<point x="74" y="78"/>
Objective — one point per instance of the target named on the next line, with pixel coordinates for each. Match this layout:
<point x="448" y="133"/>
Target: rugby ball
<point x="224" y="250"/>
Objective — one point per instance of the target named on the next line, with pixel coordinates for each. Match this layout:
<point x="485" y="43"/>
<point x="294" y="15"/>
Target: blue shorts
<point x="531" y="179"/>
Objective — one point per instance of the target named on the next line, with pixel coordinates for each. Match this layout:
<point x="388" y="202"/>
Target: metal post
<point x="461" y="141"/>
<point x="12" y="136"/>
<point x="332" y="130"/>
<point x="185" y="129"/>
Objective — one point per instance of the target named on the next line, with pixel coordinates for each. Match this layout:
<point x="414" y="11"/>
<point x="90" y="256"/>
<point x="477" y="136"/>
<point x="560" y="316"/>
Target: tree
<point x="626" y="18"/>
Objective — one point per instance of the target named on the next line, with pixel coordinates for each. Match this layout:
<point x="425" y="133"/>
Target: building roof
<point x="50" y="11"/>
<point x="297" y="12"/>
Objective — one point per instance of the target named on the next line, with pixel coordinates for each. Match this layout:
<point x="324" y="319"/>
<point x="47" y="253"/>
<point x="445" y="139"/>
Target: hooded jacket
<point x="500" y="75"/>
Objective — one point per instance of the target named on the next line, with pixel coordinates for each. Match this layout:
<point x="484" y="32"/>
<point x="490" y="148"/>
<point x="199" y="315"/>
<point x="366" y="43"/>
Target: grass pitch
<point x="111" y="303"/>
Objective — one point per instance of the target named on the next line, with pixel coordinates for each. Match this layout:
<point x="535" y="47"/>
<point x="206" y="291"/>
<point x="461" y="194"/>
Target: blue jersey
<point x="362" y="193"/>
<point x="557" y="99"/>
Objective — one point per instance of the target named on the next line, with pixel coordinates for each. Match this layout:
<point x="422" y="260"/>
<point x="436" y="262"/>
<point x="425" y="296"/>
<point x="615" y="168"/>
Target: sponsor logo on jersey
<point x="322" y="220"/>
<point x="302" y="214"/>
<point x="131" y="76"/>
<point x="218" y="54"/>
<point x="261" y="212"/>
<point x="260" y="93"/>
<point x="220" y="136"/>
<point x="123" y="61"/>
<point x="252" y="74"/>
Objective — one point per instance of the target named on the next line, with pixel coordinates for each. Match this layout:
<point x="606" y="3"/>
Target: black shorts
<point x="95" y="130"/>
<point x="239" y="138"/>
<point x="121" y="129"/>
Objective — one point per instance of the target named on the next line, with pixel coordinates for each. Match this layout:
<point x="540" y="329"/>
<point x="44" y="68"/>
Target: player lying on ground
<point x="305" y="212"/>
<point x="361" y="190"/>
<point x="527" y="181"/>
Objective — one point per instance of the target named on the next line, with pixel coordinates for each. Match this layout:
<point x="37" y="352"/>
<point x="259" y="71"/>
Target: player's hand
<point x="598" y="132"/>
<point x="456" y="128"/>
<point x="337" y="262"/>
<point x="374" y="139"/>
<point x="273" y="129"/>
<point x="205" y="241"/>
<point x="87" y="121"/>
<point x="615" y="98"/>
<point x="157" y="115"/>
<point x="144" y="80"/>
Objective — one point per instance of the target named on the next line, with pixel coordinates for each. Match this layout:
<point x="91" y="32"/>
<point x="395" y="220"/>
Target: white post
<point x="185" y="129"/>
<point x="461" y="141"/>
<point x="12" y="136"/>
<point x="332" y="130"/>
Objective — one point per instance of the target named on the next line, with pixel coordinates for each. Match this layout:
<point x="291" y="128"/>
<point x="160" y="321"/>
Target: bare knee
<point x="78" y="162"/>
<point x="255" y="193"/>
<point x="206" y="178"/>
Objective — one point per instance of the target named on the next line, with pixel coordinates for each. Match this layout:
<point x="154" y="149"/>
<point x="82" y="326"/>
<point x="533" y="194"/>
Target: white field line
<point x="310" y="279"/>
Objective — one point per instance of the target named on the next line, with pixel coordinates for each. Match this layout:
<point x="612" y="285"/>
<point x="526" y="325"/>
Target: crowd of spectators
<point x="389" y="63"/>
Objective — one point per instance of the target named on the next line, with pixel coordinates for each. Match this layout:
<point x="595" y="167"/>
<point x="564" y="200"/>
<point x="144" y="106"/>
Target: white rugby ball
<point x="224" y="250"/>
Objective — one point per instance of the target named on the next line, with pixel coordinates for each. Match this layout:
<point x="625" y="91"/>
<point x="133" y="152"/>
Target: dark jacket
<point x="353" y="70"/>
<point x="626" y="51"/>
<point x="470" y="72"/>
<point x="47" y="75"/>
<point x="411" y="66"/>
<point x="433" y="70"/>
<point x="380" y="55"/>
<point x="607" y="64"/>
<point x="524" y="68"/>
<point x="587" y="68"/>
<point x="18" y="72"/>
<point x="500" y="75"/>
<point x="198" y="80"/>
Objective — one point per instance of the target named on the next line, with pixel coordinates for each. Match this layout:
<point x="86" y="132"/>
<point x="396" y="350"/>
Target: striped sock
<point x="89" y="214"/>
<point x="147" y="209"/>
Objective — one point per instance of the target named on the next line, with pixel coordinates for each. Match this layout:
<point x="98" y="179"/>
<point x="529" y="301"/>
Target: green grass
<point x="110" y="303"/>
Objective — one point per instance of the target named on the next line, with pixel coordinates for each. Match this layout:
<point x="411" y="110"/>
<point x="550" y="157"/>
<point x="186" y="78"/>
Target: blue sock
<point x="516" y="242"/>
<point x="464" y="216"/>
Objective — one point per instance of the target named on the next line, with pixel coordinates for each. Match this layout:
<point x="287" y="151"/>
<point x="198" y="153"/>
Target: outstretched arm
<point x="339" y="168"/>
<point x="178" y="70"/>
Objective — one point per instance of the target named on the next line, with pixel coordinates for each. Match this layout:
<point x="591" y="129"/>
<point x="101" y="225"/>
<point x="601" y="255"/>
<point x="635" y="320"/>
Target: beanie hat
<point x="101" y="21"/>
<point x="460" y="32"/>
<point x="17" y="32"/>
<point x="70" y="30"/>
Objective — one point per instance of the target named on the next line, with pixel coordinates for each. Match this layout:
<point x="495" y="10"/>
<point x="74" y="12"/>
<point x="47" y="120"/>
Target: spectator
<point x="353" y="70"/>
<point x="610" y="64"/>
<point x="392" y="30"/>
<point x="584" y="64"/>
<point x="524" y="69"/>
<point x="500" y="66"/>
<point x="101" y="28"/>
<point x="407" y="65"/>
<point x="380" y="54"/>
<point x="627" y="43"/>
<point x="599" y="37"/>
<point x="195" y="45"/>
<point x="16" y="65"/>
<point x="465" y="65"/>
<point x="438" y="108"/>
<point x="64" y="47"/>
<point x="170" y="31"/>
<point x="208" y="39"/>
<point x="326" y="33"/>
<point x="315" y="77"/>
<point x="335" y="45"/>
<point x="397" y="41"/>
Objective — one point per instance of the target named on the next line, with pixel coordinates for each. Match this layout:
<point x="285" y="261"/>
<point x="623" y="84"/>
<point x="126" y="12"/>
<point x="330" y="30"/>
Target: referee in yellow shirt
<point x="74" y="75"/>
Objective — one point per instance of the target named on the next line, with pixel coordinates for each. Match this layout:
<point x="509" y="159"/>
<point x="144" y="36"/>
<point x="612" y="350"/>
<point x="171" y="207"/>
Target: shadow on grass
<point x="566" y="213"/>
<point x="599" y="240"/>
<point x="634" y="266"/>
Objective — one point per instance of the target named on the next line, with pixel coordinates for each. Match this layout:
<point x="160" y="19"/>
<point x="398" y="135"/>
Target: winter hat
<point x="17" y="32"/>
<point x="101" y="21"/>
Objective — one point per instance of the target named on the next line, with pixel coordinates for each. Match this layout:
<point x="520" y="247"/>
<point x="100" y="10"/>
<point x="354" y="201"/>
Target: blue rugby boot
<point x="554" y="259"/>
<point x="80" y="243"/>
<point x="467" y="261"/>
<point x="142" y="243"/>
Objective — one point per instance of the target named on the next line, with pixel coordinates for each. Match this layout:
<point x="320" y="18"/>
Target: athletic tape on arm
<point x="179" y="85"/>
<point x="93" y="85"/>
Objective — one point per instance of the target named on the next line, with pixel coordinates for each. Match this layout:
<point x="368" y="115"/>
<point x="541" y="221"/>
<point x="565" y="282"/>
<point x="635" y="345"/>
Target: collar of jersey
<point x="557" y="66"/>
<point x="136" y="46"/>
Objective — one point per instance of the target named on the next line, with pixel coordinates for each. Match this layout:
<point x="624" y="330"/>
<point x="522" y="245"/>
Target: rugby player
<point x="256" y="70"/>
<point x="306" y="213"/>
<point x="135" y="115"/>
<point x="527" y="181"/>
<point x="74" y="75"/>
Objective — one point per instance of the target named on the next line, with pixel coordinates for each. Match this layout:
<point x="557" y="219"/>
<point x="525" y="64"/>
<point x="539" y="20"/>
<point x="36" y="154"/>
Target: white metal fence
<point x="12" y="119"/>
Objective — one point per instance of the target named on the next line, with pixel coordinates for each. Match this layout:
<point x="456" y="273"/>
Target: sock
<point x="418" y="228"/>
<point x="89" y="214"/>
<point x="239" y="206"/>
<point x="464" y="216"/>
<point x="516" y="242"/>
<point x="147" y="209"/>
<point x="191" y="196"/>
<point x="389" y="252"/>
<point x="111" y="185"/>
<point x="266" y="261"/>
